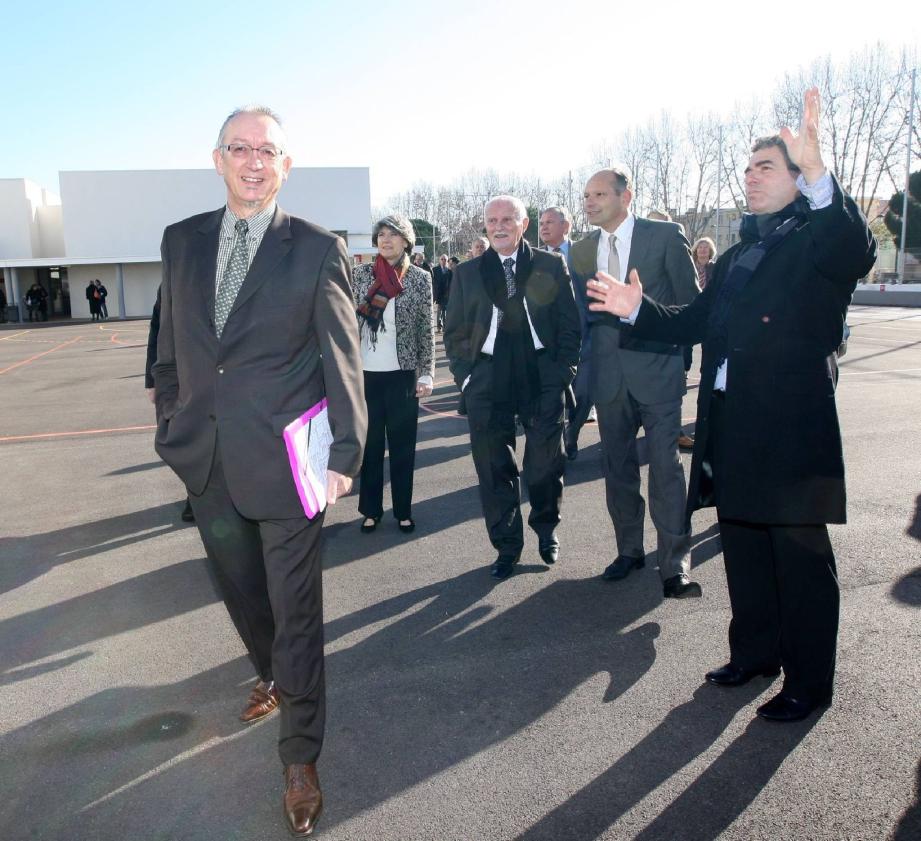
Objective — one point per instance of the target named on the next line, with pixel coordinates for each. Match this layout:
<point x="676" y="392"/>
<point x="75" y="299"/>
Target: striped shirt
<point x="258" y="225"/>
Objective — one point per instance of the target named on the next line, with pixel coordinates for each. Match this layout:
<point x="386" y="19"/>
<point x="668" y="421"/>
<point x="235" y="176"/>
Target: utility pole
<point x="911" y="127"/>
<point x="719" y="184"/>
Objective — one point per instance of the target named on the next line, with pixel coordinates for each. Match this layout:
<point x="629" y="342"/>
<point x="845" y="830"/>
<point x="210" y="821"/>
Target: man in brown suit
<point x="257" y="326"/>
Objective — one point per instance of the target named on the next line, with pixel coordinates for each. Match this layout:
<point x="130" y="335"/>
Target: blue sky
<point x="413" y="90"/>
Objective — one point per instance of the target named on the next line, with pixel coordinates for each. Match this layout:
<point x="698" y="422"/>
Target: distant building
<point x="108" y="225"/>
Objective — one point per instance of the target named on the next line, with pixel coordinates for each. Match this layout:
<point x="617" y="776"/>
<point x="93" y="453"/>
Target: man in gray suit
<point x="638" y="383"/>
<point x="257" y="325"/>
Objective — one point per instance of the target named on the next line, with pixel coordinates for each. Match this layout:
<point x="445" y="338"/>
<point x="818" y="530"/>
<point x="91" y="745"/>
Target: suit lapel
<point x="584" y="255"/>
<point x="639" y="245"/>
<point x="274" y="246"/>
<point x="205" y="259"/>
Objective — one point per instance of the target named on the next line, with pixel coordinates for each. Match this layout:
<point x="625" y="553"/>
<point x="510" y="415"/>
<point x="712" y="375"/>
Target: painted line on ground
<point x="845" y="373"/>
<point x="44" y="435"/>
<point x="20" y="333"/>
<point x="39" y="355"/>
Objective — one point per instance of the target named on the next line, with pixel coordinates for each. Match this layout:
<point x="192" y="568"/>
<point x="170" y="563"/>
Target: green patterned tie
<point x="234" y="275"/>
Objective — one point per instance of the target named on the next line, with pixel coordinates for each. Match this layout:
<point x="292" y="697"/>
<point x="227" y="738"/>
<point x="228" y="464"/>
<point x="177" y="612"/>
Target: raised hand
<point x="803" y="147"/>
<point x="610" y="295"/>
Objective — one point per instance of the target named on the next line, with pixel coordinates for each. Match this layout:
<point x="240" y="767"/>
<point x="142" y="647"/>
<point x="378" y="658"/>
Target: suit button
<point x="211" y="417"/>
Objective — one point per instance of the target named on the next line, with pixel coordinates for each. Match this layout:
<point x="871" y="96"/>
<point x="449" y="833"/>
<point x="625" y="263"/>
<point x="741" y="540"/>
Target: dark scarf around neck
<point x="387" y="285"/>
<point x="759" y="234"/>
<point x="516" y="377"/>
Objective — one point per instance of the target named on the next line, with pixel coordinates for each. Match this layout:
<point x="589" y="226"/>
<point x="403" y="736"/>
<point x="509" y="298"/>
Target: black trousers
<point x="393" y="420"/>
<point x="492" y="439"/>
<point x="783" y="589"/>
<point x="269" y="574"/>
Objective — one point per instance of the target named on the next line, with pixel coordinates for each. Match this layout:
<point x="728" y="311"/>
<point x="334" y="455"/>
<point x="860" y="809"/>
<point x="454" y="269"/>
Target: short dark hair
<point x="775" y="141"/>
<point x="620" y="176"/>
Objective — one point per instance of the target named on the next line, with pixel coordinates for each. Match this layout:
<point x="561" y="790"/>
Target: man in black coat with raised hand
<point x="767" y="452"/>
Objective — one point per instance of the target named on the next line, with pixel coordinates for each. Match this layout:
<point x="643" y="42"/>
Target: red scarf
<point x="387" y="284"/>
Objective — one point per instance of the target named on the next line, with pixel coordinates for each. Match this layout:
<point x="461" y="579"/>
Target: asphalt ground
<point x="550" y="706"/>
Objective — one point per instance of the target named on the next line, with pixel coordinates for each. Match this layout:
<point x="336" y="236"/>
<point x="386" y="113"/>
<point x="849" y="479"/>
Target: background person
<point x="704" y="252"/>
<point x="394" y="300"/>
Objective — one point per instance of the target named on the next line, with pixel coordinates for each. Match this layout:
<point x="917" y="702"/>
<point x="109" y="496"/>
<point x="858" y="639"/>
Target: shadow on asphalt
<point x="727" y="786"/>
<point x="445" y="677"/>
<point x="909" y="825"/>
<point x="26" y="558"/>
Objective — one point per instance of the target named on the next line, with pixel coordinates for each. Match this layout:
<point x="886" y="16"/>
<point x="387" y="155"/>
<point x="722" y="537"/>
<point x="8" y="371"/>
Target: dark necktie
<point x="508" y="265"/>
<point x="557" y="249"/>
<point x="234" y="275"/>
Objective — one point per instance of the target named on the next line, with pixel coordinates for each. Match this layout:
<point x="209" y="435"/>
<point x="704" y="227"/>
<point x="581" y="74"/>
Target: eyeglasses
<point x="268" y="154"/>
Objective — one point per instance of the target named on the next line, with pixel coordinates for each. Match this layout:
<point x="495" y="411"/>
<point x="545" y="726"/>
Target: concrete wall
<point x="141" y="283"/>
<point x="123" y="214"/>
<point x="51" y="231"/>
<point x="15" y="220"/>
<point x="888" y="295"/>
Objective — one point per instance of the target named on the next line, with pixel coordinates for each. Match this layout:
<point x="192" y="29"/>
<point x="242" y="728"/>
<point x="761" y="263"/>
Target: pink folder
<point x="308" y="439"/>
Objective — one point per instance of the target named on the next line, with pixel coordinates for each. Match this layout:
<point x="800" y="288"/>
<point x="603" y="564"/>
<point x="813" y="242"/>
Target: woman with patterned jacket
<point x="394" y="304"/>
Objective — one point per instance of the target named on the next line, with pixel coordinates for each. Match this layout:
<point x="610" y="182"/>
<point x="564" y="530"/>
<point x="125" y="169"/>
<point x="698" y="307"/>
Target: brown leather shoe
<point x="303" y="800"/>
<point x="685" y="442"/>
<point x="262" y="701"/>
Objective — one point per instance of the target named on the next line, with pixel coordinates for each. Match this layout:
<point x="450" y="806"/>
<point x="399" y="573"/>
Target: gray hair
<point x="400" y="225"/>
<point x="260" y="110"/>
<point x="517" y="203"/>
<point x="562" y="212"/>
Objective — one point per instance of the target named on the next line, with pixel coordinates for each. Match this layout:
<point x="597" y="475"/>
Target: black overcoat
<point x="782" y="443"/>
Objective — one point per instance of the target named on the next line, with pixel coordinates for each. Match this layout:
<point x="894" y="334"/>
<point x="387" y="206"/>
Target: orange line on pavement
<point x="38" y="355"/>
<point x="40" y="435"/>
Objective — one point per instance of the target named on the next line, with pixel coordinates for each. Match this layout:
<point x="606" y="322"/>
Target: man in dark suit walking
<point x="257" y="325"/>
<point x="770" y="320"/>
<point x="512" y="341"/>
<point x="638" y="383"/>
<point x="441" y="289"/>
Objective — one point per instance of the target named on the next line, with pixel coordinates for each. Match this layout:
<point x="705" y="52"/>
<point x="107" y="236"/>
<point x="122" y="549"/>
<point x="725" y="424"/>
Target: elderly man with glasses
<point x="257" y="327"/>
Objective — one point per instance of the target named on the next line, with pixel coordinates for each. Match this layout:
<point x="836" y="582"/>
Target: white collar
<point x="623" y="232"/>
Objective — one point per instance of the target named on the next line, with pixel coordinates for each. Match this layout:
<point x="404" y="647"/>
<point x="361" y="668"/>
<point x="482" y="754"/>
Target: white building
<point x="108" y="225"/>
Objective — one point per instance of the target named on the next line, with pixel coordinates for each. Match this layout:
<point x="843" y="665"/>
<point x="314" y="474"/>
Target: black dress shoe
<point x="366" y="527"/>
<point x="502" y="566"/>
<point x="784" y="708"/>
<point x="731" y="675"/>
<point x="681" y="587"/>
<point x="187" y="515"/>
<point x="622" y="567"/>
<point x="408" y="526"/>
<point x="549" y="552"/>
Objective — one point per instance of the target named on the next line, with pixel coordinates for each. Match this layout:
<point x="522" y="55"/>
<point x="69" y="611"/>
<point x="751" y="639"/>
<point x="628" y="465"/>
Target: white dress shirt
<point x="624" y="234"/>
<point x="490" y="342"/>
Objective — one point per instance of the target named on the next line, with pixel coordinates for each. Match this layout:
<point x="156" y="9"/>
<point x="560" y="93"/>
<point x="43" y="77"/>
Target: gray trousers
<point x="618" y="422"/>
